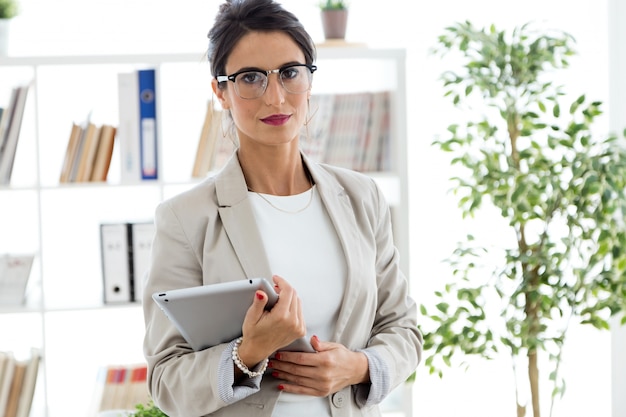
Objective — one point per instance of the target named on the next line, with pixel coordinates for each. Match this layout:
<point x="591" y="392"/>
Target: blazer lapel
<point x="339" y="209"/>
<point x="238" y="220"/>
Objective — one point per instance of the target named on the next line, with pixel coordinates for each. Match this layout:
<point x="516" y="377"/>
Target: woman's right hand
<point x="264" y="332"/>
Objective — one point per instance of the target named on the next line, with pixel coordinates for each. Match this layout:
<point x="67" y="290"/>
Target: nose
<point x="274" y="92"/>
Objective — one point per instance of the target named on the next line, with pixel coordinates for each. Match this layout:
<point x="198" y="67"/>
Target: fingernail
<point x="277" y="356"/>
<point x="275" y="374"/>
<point x="316" y="338"/>
<point x="259" y="296"/>
<point x="270" y="364"/>
<point x="281" y="387"/>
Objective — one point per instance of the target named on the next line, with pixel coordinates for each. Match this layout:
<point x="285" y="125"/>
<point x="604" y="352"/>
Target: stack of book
<point x="10" y="126"/>
<point x="88" y="153"/>
<point x="120" y="387"/>
<point x="351" y="130"/>
<point x="14" y="274"/>
<point x="17" y="383"/>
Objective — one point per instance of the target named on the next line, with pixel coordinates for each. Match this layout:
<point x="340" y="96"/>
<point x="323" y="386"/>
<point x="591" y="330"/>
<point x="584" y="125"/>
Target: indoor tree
<point x="527" y="153"/>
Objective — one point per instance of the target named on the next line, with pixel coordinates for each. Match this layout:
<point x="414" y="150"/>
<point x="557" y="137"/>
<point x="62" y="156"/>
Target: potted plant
<point x="334" y="15"/>
<point x="8" y="10"/>
<point x="531" y="157"/>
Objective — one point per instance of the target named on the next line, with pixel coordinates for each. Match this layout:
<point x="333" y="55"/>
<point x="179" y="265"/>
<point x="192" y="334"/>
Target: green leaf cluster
<point x="148" y="410"/>
<point x="333" y="5"/>
<point x="8" y="9"/>
<point x="529" y="151"/>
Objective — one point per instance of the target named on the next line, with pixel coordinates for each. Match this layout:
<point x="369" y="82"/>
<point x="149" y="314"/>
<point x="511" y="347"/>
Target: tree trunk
<point x="533" y="377"/>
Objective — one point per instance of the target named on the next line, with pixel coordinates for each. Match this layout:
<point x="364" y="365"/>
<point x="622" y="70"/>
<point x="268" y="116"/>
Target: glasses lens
<point x="296" y="79"/>
<point x="250" y="84"/>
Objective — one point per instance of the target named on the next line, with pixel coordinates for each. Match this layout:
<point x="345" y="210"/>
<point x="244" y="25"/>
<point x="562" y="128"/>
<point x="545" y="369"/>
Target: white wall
<point x="98" y="26"/>
<point x="617" y="68"/>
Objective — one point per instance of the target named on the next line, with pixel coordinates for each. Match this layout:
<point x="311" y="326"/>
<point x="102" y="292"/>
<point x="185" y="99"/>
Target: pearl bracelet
<point x="242" y="366"/>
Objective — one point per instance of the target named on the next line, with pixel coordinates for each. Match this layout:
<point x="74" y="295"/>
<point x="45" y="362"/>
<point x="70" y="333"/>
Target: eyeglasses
<point x="251" y="84"/>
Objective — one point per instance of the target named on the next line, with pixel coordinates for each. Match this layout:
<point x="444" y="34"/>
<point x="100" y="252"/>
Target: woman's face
<point x="276" y="117"/>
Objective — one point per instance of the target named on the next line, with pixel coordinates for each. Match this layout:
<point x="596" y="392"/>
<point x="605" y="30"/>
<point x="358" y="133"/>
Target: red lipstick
<point x="276" y="119"/>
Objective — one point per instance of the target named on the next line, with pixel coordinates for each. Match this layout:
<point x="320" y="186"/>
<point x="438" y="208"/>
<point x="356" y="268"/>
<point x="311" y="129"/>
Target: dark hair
<point x="237" y="18"/>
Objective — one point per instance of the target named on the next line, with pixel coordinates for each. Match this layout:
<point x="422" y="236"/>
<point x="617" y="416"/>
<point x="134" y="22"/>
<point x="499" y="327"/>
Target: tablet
<point x="208" y="315"/>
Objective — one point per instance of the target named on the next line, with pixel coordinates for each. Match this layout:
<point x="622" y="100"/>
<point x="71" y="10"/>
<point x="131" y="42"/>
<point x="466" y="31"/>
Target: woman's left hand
<point x="320" y="374"/>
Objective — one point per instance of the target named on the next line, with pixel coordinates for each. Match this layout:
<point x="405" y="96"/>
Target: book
<point x="205" y="153"/>
<point x="28" y="384"/>
<point x="7" y="369"/>
<point x="314" y="138"/>
<point x="120" y="387"/>
<point x="348" y="127"/>
<point x="9" y="143"/>
<point x="4" y="120"/>
<point x="128" y="127"/>
<point x="70" y="153"/>
<point x="14" y="274"/>
<point x="80" y="145"/>
<point x="88" y="153"/>
<point x="104" y="153"/>
<point x="148" y="124"/>
<point x="16" y="388"/>
<point x="377" y="133"/>
<point x="116" y="262"/>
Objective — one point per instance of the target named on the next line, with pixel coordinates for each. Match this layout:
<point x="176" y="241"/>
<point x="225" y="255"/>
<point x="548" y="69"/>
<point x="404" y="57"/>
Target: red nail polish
<point x="281" y="387"/>
<point x="275" y="374"/>
<point x="270" y="364"/>
<point x="277" y="356"/>
<point x="259" y="296"/>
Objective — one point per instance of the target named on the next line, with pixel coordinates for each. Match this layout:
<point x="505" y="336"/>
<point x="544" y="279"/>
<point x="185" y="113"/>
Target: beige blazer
<point x="208" y="235"/>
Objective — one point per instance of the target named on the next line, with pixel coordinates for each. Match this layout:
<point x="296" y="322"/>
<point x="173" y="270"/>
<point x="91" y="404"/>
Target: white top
<point x="302" y="246"/>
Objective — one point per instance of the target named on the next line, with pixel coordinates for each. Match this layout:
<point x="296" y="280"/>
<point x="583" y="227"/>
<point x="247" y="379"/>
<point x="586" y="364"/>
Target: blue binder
<point x="148" y="124"/>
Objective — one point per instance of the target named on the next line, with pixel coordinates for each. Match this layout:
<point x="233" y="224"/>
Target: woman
<point x="323" y="235"/>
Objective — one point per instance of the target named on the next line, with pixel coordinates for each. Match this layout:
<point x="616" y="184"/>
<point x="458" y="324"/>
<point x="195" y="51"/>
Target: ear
<point x="221" y="95"/>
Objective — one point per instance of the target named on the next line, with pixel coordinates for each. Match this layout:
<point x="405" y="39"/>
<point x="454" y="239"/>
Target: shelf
<point x="60" y="222"/>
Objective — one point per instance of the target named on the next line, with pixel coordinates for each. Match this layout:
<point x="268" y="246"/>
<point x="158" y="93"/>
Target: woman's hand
<point x="264" y="331"/>
<point x="331" y="369"/>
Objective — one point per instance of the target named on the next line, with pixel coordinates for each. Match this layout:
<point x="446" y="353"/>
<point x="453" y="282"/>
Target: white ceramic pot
<point x="4" y="36"/>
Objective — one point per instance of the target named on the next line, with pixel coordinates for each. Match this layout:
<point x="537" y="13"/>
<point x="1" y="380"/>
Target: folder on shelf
<point x="147" y="123"/>
<point x="141" y="238"/>
<point x="128" y="126"/>
<point x="115" y="250"/>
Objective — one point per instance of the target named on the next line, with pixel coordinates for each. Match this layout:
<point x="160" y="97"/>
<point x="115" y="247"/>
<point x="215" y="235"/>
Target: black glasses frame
<point x="279" y="71"/>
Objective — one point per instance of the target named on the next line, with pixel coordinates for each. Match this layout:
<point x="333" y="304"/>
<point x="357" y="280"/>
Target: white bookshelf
<point x="64" y="315"/>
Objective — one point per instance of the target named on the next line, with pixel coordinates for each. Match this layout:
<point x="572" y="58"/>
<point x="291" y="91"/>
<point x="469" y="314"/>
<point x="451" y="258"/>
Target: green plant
<point x="333" y="5"/>
<point x="8" y="9"/>
<point x="148" y="410"/>
<point x="529" y="155"/>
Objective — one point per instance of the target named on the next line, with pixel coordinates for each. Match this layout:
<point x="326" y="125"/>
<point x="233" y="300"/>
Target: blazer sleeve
<point x="180" y="380"/>
<point x="395" y="343"/>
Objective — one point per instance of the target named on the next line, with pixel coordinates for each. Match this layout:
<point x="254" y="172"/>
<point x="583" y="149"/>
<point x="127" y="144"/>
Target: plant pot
<point x="334" y="23"/>
<point x="4" y="36"/>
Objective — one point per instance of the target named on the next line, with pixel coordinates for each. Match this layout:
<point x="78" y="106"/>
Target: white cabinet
<point x="64" y="314"/>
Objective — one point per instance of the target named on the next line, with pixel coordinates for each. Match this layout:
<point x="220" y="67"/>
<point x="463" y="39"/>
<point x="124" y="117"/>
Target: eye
<point x="290" y="73"/>
<point x="251" y="77"/>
